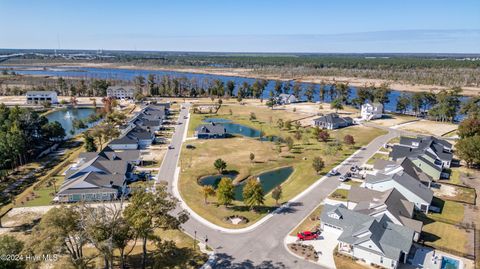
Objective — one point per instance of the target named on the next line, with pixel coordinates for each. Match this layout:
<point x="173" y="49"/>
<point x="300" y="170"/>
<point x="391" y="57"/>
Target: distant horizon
<point x="267" y="26"/>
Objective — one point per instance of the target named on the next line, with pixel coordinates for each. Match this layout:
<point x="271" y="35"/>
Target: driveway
<point x="324" y="247"/>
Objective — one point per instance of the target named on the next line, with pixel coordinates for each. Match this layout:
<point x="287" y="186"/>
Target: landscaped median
<point x="237" y="153"/>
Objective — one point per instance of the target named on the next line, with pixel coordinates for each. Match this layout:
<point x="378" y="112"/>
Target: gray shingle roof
<point x="405" y="180"/>
<point x="373" y="202"/>
<point x="334" y="119"/>
<point x="422" y="144"/>
<point x="211" y="128"/>
<point x="390" y="238"/>
<point x="124" y="140"/>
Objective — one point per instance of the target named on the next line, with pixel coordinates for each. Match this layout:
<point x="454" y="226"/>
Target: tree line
<point x="468" y="146"/>
<point x="113" y="230"/>
<point x="20" y="128"/>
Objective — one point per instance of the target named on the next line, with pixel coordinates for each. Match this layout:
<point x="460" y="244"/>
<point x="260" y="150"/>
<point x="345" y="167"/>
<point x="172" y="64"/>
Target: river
<point x="129" y="74"/>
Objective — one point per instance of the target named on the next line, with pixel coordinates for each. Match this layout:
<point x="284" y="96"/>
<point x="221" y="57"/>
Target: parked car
<point x="355" y="168"/>
<point x="308" y="235"/>
<point x="333" y="172"/>
<point x="189" y="146"/>
<point x="343" y="178"/>
<point x="171" y="147"/>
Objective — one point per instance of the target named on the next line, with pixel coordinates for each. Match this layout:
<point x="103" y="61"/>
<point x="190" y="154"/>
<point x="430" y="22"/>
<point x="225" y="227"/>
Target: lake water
<point x="66" y="116"/>
<point x="235" y="128"/>
<point x="129" y="74"/>
<point x="269" y="180"/>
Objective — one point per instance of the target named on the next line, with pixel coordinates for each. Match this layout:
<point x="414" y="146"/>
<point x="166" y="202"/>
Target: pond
<point x="66" y="116"/>
<point x="269" y="180"/>
<point x="235" y="128"/>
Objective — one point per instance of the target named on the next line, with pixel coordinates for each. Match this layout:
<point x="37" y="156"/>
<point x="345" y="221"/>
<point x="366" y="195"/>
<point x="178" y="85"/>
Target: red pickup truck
<point x="308" y="235"/>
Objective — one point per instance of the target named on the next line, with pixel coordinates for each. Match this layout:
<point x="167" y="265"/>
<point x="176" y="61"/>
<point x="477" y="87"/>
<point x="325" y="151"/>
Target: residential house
<point x="412" y="189"/>
<point x="286" y="98"/>
<point x="406" y="165"/>
<point x="95" y="179"/>
<point x="430" y="154"/>
<point x="210" y="130"/>
<point x="371" y="111"/>
<point x="139" y="132"/>
<point x="121" y="92"/>
<point x="137" y="137"/>
<point x="390" y="203"/>
<point x="375" y="240"/>
<point x="332" y="121"/>
<point x="39" y="97"/>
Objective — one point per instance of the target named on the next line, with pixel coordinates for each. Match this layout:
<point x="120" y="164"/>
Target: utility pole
<point x="194" y="239"/>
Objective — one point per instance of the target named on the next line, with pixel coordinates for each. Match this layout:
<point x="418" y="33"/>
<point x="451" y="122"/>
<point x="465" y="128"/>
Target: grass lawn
<point x="339" y="194"/>
<point x="443" y="235"/>
<point x="455" y="176"/>
<point x="451" y="212"/>
<point x="461" y="194"/>
<point x="235" y="151"/>
<point x="352" y="182"/>
<point x="309" y="223"/>
<point x="342" y="262"/>
<point x="394" y="140"/>
<point x="377" y="156"/>
<point x="43" y="195"/>
<point x="40" y="193"/>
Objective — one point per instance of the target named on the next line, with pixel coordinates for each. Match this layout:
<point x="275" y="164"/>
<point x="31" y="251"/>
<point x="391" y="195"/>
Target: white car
<point x="333" y="173"/>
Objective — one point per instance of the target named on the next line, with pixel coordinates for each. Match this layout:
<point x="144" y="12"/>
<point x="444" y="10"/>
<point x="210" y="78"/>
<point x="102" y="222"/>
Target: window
<point x="381" y="259"/>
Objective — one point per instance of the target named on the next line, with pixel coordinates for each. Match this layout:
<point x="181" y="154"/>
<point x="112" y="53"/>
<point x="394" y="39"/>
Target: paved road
<point x="262" y="247"/>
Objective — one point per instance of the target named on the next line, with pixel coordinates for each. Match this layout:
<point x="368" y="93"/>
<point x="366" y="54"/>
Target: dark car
<point x="188" y="146"/>
<point x="308" y="235"/>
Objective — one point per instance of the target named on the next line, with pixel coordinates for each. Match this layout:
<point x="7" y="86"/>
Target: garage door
<point x="329" y="229"/>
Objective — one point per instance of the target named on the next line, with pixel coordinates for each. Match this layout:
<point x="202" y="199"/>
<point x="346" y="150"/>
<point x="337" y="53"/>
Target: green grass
<point x="43" y="194"/>
<point x="310" y="223"/>
<point x="235" y="151"/>
<point x="452" y="211"/>
<point x="352" y="182"/>
<point x="339" y="195"/>
<point x="394" y="140"/>
<point x="377" y="156"/>
<point x="455" y="176"/>
<point x="440" y="234"/>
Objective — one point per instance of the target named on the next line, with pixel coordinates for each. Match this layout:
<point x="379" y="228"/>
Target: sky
<point x="324" y="26"/>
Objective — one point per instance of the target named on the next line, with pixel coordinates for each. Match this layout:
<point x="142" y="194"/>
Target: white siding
<point x="370" y="257"/>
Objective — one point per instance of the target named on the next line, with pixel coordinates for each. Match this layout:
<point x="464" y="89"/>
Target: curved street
<point x="263" y="246"/>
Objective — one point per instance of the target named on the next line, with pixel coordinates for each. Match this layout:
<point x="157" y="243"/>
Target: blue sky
<point x="244" y="26"/>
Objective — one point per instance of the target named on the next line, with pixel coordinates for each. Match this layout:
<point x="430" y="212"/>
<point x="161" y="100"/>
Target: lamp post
<point x="194" y="239"/>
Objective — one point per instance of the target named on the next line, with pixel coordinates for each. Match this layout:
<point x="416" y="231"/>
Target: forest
<point x="20" y="128"/>
<point x="441" y="70"/>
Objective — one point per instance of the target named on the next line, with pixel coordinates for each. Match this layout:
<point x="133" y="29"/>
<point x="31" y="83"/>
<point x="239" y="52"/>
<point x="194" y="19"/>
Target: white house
<point x="121" y="92"/>
<point x="285" y="98"/>
<point x="39" y="97"/>
<point x="371" y="239"/>
<point x="412" y="189"/>
<point x="371" y="111"/>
